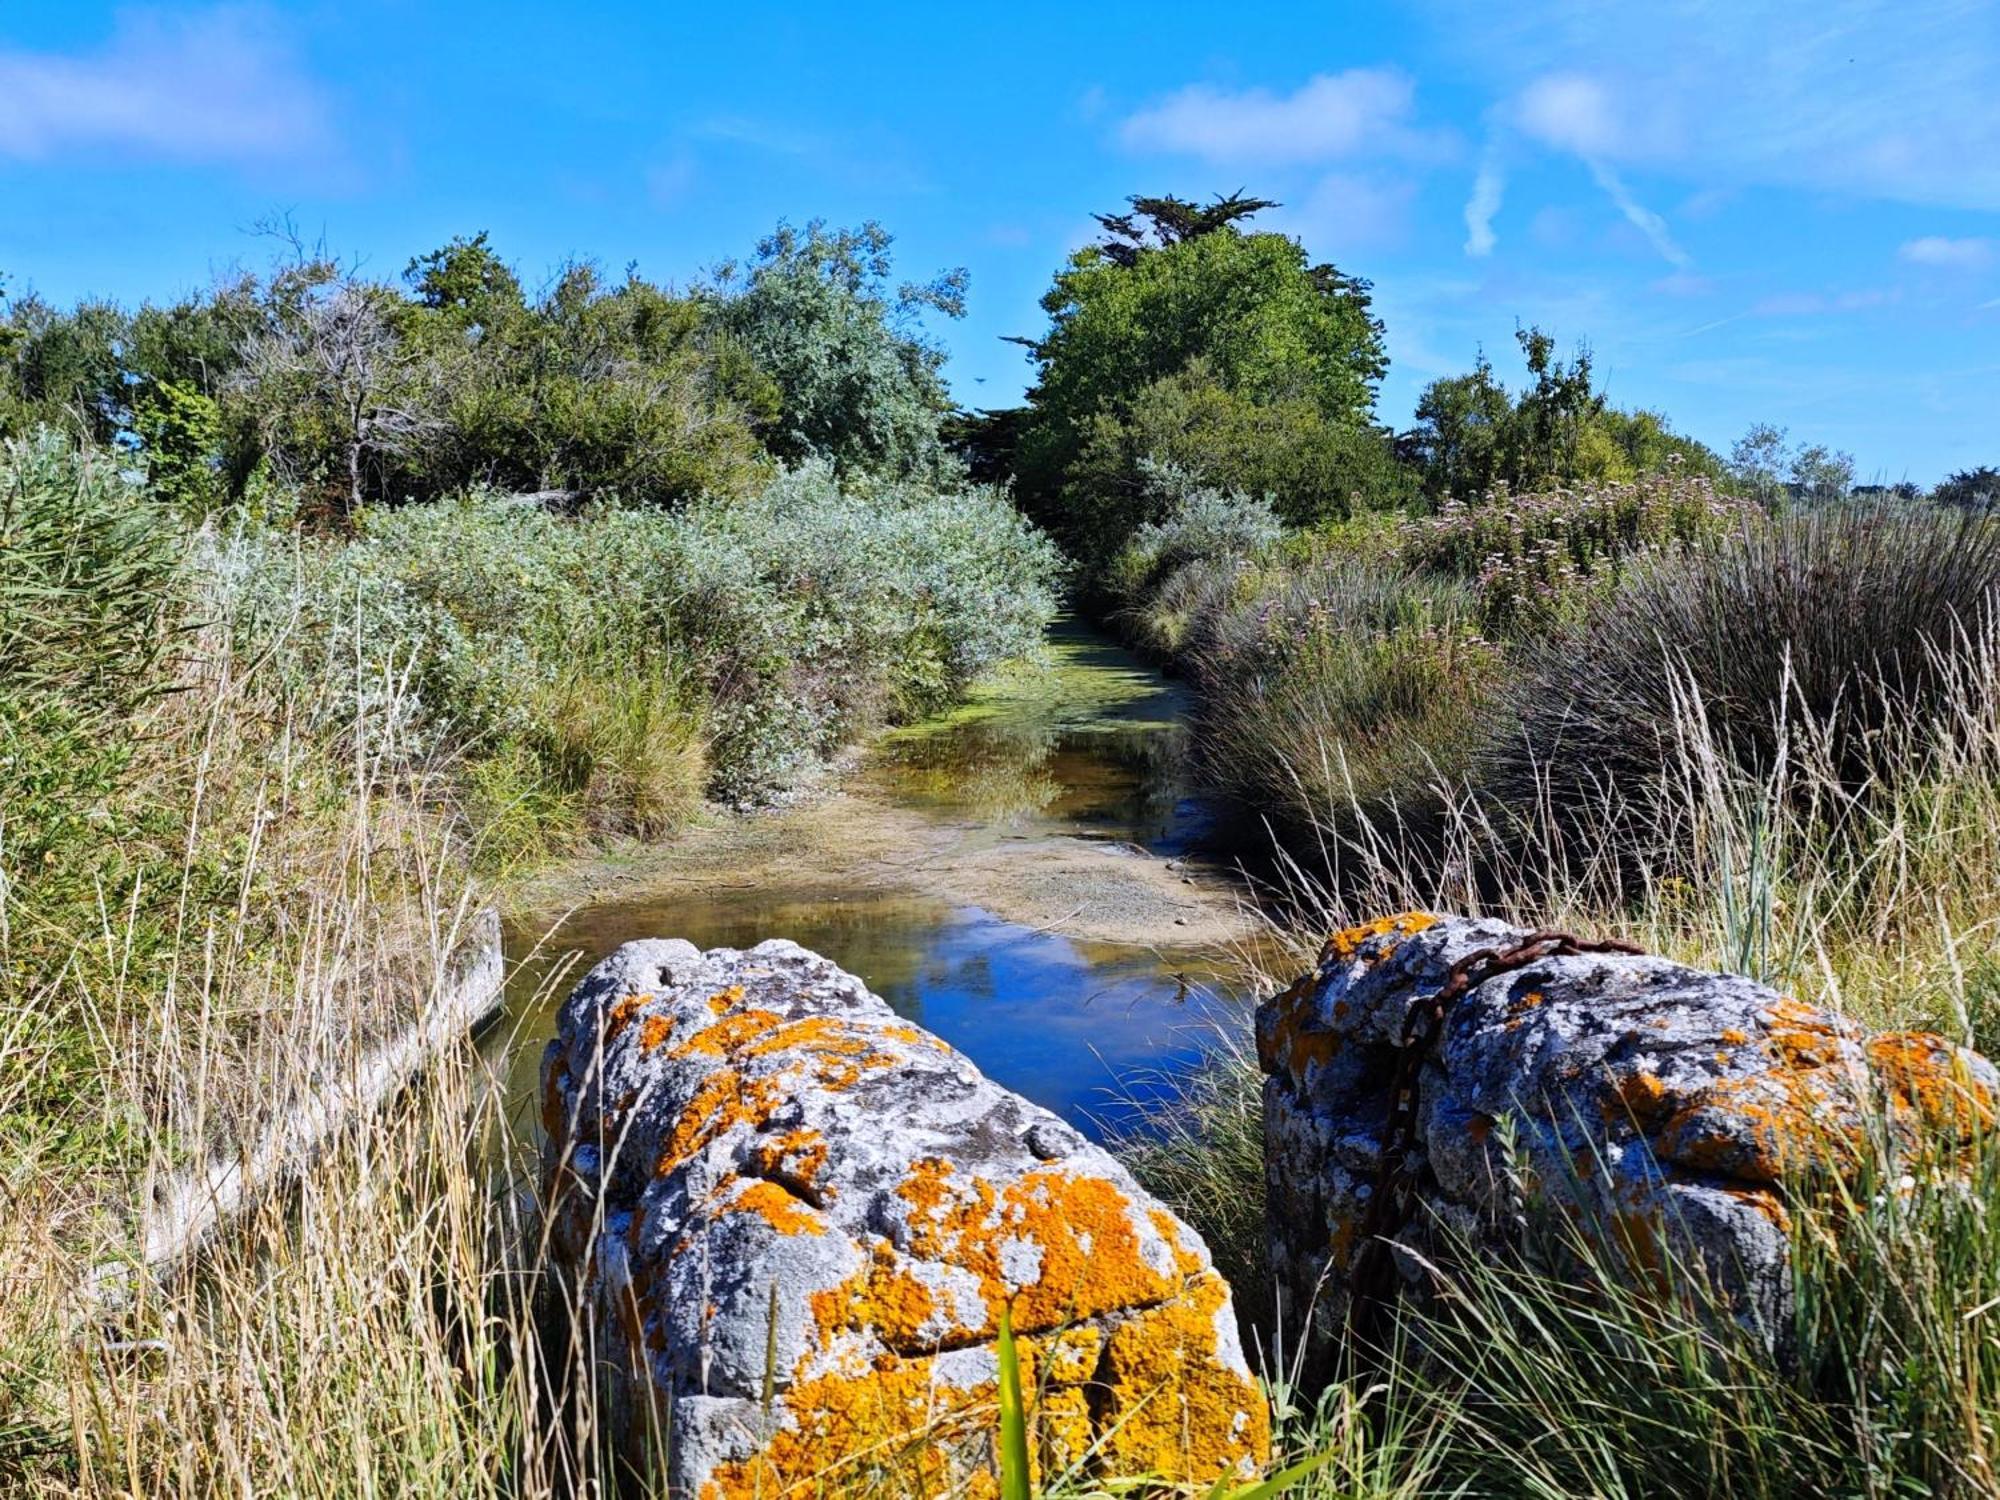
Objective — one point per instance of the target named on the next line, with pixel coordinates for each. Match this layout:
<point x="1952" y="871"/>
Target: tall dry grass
<point x="1877" y="896"/>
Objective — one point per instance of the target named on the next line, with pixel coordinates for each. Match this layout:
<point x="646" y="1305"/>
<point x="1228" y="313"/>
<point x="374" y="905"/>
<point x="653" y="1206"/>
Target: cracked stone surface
<point x="1668" y="1104"/>
<point x="756" y="1171"/>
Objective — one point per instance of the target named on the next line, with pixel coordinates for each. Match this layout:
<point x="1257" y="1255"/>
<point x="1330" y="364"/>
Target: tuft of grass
<point x="1842" y="636"/>
<point x="1346" y="683"/>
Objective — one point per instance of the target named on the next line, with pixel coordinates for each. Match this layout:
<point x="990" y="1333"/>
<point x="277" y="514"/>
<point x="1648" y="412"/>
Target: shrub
<point x="1970" y="489"/>
<point x="1201" y="523"/>
<point x="88" y="576"/>
<point x="773" y="628"/>
<point x="1310" y="467"/>
<point x="1536" y="559"/>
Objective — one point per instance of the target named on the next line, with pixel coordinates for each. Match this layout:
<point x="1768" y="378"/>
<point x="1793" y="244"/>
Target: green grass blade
<point x="1276" y="1484"/>
<point x="1015" y="1483"/>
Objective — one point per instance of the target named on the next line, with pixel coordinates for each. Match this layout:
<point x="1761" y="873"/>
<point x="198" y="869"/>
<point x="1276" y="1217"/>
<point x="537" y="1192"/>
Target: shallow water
<point x="1088" y="747"/>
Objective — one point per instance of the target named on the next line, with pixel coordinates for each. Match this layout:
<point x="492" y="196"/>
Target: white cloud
<point x="1866" y="98"/>
<point x="216" y="85"/>
<point x="1951" y="254"/>
<point x="1642" y="218"/>
<point x="1572" y="113"/>
<point x="1331" y="116"/>
<point x="1487" y="190"/>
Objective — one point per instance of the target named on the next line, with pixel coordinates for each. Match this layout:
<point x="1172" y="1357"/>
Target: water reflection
<point x="1060" y="1021"/>
<point x="1088" y="746"/>
<point x="1092" y="745"/>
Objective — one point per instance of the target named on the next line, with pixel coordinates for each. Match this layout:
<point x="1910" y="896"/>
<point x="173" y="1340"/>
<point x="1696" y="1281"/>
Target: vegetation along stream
<point x="1015" y="876"/>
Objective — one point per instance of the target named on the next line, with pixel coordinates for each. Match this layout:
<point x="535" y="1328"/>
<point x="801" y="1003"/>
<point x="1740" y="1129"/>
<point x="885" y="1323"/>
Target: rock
<point x="756" y="1172"/>
<point x="1668" y="1106"/>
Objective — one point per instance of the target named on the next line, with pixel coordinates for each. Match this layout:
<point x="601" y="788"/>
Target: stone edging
<point x="182" y="1213"/>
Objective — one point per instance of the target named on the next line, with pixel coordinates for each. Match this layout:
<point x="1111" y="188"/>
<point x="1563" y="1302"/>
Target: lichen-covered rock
<point x="1670" y="1105"/>
<point x="756" y="1172"/>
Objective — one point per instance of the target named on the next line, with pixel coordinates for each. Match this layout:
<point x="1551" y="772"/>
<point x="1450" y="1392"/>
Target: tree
<point x="1970" y="489"/>
<point x="1471" y="436"/>
<point x="1555" y="418"/>
<point x="335" y="387"/>
<point x="1460" y="440"/>
<point x="857" y="381"/>
<point x="1760" y="462"/>
<point x="1308" y="468"/>
<point x="1771" y="470"/>
<point x="1170" y="221"/>
<point x="1820" y="474"/>
<point x="1188" y="286"/>
<point x="65" y="370"/>
<point x="180" y="439"/>
<point x="466" y="276"/>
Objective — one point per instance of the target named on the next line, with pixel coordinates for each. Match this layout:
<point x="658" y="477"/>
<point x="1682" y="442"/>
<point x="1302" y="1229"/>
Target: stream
<point x="1014" y="875"/>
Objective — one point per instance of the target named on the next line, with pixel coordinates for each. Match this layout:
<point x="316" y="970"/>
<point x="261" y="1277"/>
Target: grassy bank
<point x="1762" y="744"/>
<point x="255" y="780"/>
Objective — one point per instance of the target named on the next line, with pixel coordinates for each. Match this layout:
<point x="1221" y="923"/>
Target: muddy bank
<point x="852" y="841"/>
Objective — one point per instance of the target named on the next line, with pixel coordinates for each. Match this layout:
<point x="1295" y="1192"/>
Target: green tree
<point x="1310" y="468"/>
<point x="180" y="439"/>
<point x="1172" y="286"/>
<point x="1471" y="436"/>
<point x="857" y="381"/>
<point x="594" y="388"/>
<point x="1821" y="474"/>
<point x="1461" y="438"/>
<point x="65" y="369"/>
<point x="1970" y="489"/>
<point x="340" y="396"/>
<point x="467" y="277"/>
<point x="1759" y="462"/>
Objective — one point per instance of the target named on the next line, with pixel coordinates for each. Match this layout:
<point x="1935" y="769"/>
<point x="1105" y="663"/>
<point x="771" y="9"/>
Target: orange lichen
<point x="721" y="1000"/>
<point x="1173" y="1408"/>
<point x="1925" y="1075"/>
<point x="1085" y="1229"/>
<point x="1340" y="1243"/>
<point x="1345" y="944"/>
<point x="1168" y="1229"/>
<point x="1154" y="1396"/>
<point x="884" y="1297"/>
<point x="1800" y="1036"/>
<point x="1753" y="1129"/>
<point x="621" y="1014"/>
<point x="794" y="1158"/>
<point x="1085" y="1250"/>
<point x="553" y="1112"/>
<point x="728" y="1033"/>
<point x="1734" y="1036"/>
<point x="724" y="1099"/>
<point x="776" y="1207"/>
<point x="1765" y="1202"/>
<point x="1640" y="1099"/>
<point x="890" y="1426"/>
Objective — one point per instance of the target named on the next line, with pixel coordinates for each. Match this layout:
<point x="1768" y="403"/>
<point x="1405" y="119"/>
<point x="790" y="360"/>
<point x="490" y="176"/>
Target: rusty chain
<point x="1371" y="1277"/>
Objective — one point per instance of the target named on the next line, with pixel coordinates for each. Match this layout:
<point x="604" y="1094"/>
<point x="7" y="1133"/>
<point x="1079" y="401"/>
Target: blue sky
<point x="1752" y="212"/>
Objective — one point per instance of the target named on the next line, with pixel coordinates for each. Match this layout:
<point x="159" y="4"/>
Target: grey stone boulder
<point x="1666" y="1107"/>
<point x="758" y="1177"/>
